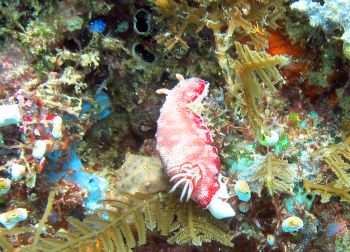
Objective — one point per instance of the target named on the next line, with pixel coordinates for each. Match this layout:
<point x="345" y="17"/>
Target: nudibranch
<point x="186" y="147"/>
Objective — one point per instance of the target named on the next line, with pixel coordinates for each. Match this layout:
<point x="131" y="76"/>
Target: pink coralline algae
<point x="14" y="71"/>
<point x="186" y="147"/>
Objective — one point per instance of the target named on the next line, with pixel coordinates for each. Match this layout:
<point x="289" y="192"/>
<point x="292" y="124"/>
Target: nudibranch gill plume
<point x="186" y="147"/>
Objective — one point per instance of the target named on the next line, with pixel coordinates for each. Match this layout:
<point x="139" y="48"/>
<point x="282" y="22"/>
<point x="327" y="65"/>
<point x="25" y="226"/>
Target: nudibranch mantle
<point x="186" y="147"/>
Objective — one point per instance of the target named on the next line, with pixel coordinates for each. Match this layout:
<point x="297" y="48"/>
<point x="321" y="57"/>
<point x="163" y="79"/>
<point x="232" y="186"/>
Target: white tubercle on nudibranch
<point x="242" y="191"/>
<point x="57" y="127"/>
<point x="11" y="218"/>
<point x="218" y="206"/>
<point x="292" y="224"/>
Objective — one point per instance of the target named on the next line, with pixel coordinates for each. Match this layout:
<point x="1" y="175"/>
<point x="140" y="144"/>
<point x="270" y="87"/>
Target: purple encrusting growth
<point x="333" y="228"/>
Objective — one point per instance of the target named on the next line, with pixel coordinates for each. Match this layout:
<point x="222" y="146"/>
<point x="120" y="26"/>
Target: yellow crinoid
<point x="256" y="29"/>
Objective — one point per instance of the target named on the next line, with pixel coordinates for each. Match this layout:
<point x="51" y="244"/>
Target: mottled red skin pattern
<point x="183" y="138"/>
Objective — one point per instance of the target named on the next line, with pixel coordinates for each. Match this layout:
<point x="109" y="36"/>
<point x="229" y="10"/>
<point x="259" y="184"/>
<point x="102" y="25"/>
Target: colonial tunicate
<point x="11" y="218"/>
<point x="292" y="224"/>
<point x="242" y="191"/>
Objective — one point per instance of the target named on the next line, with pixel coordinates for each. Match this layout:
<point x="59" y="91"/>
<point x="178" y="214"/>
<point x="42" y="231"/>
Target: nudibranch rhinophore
<point x="186" y="147"/>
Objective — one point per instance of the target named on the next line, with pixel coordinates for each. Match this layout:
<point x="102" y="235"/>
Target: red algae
<point x="279" y="44"/>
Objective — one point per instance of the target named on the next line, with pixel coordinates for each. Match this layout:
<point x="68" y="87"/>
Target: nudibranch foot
<point x="218" y="206"/>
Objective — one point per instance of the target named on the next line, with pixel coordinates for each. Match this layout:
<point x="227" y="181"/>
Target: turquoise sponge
<point x="95" y="186"/>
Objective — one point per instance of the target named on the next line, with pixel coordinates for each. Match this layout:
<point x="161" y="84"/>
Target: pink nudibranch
<point x="186" y="147"/>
